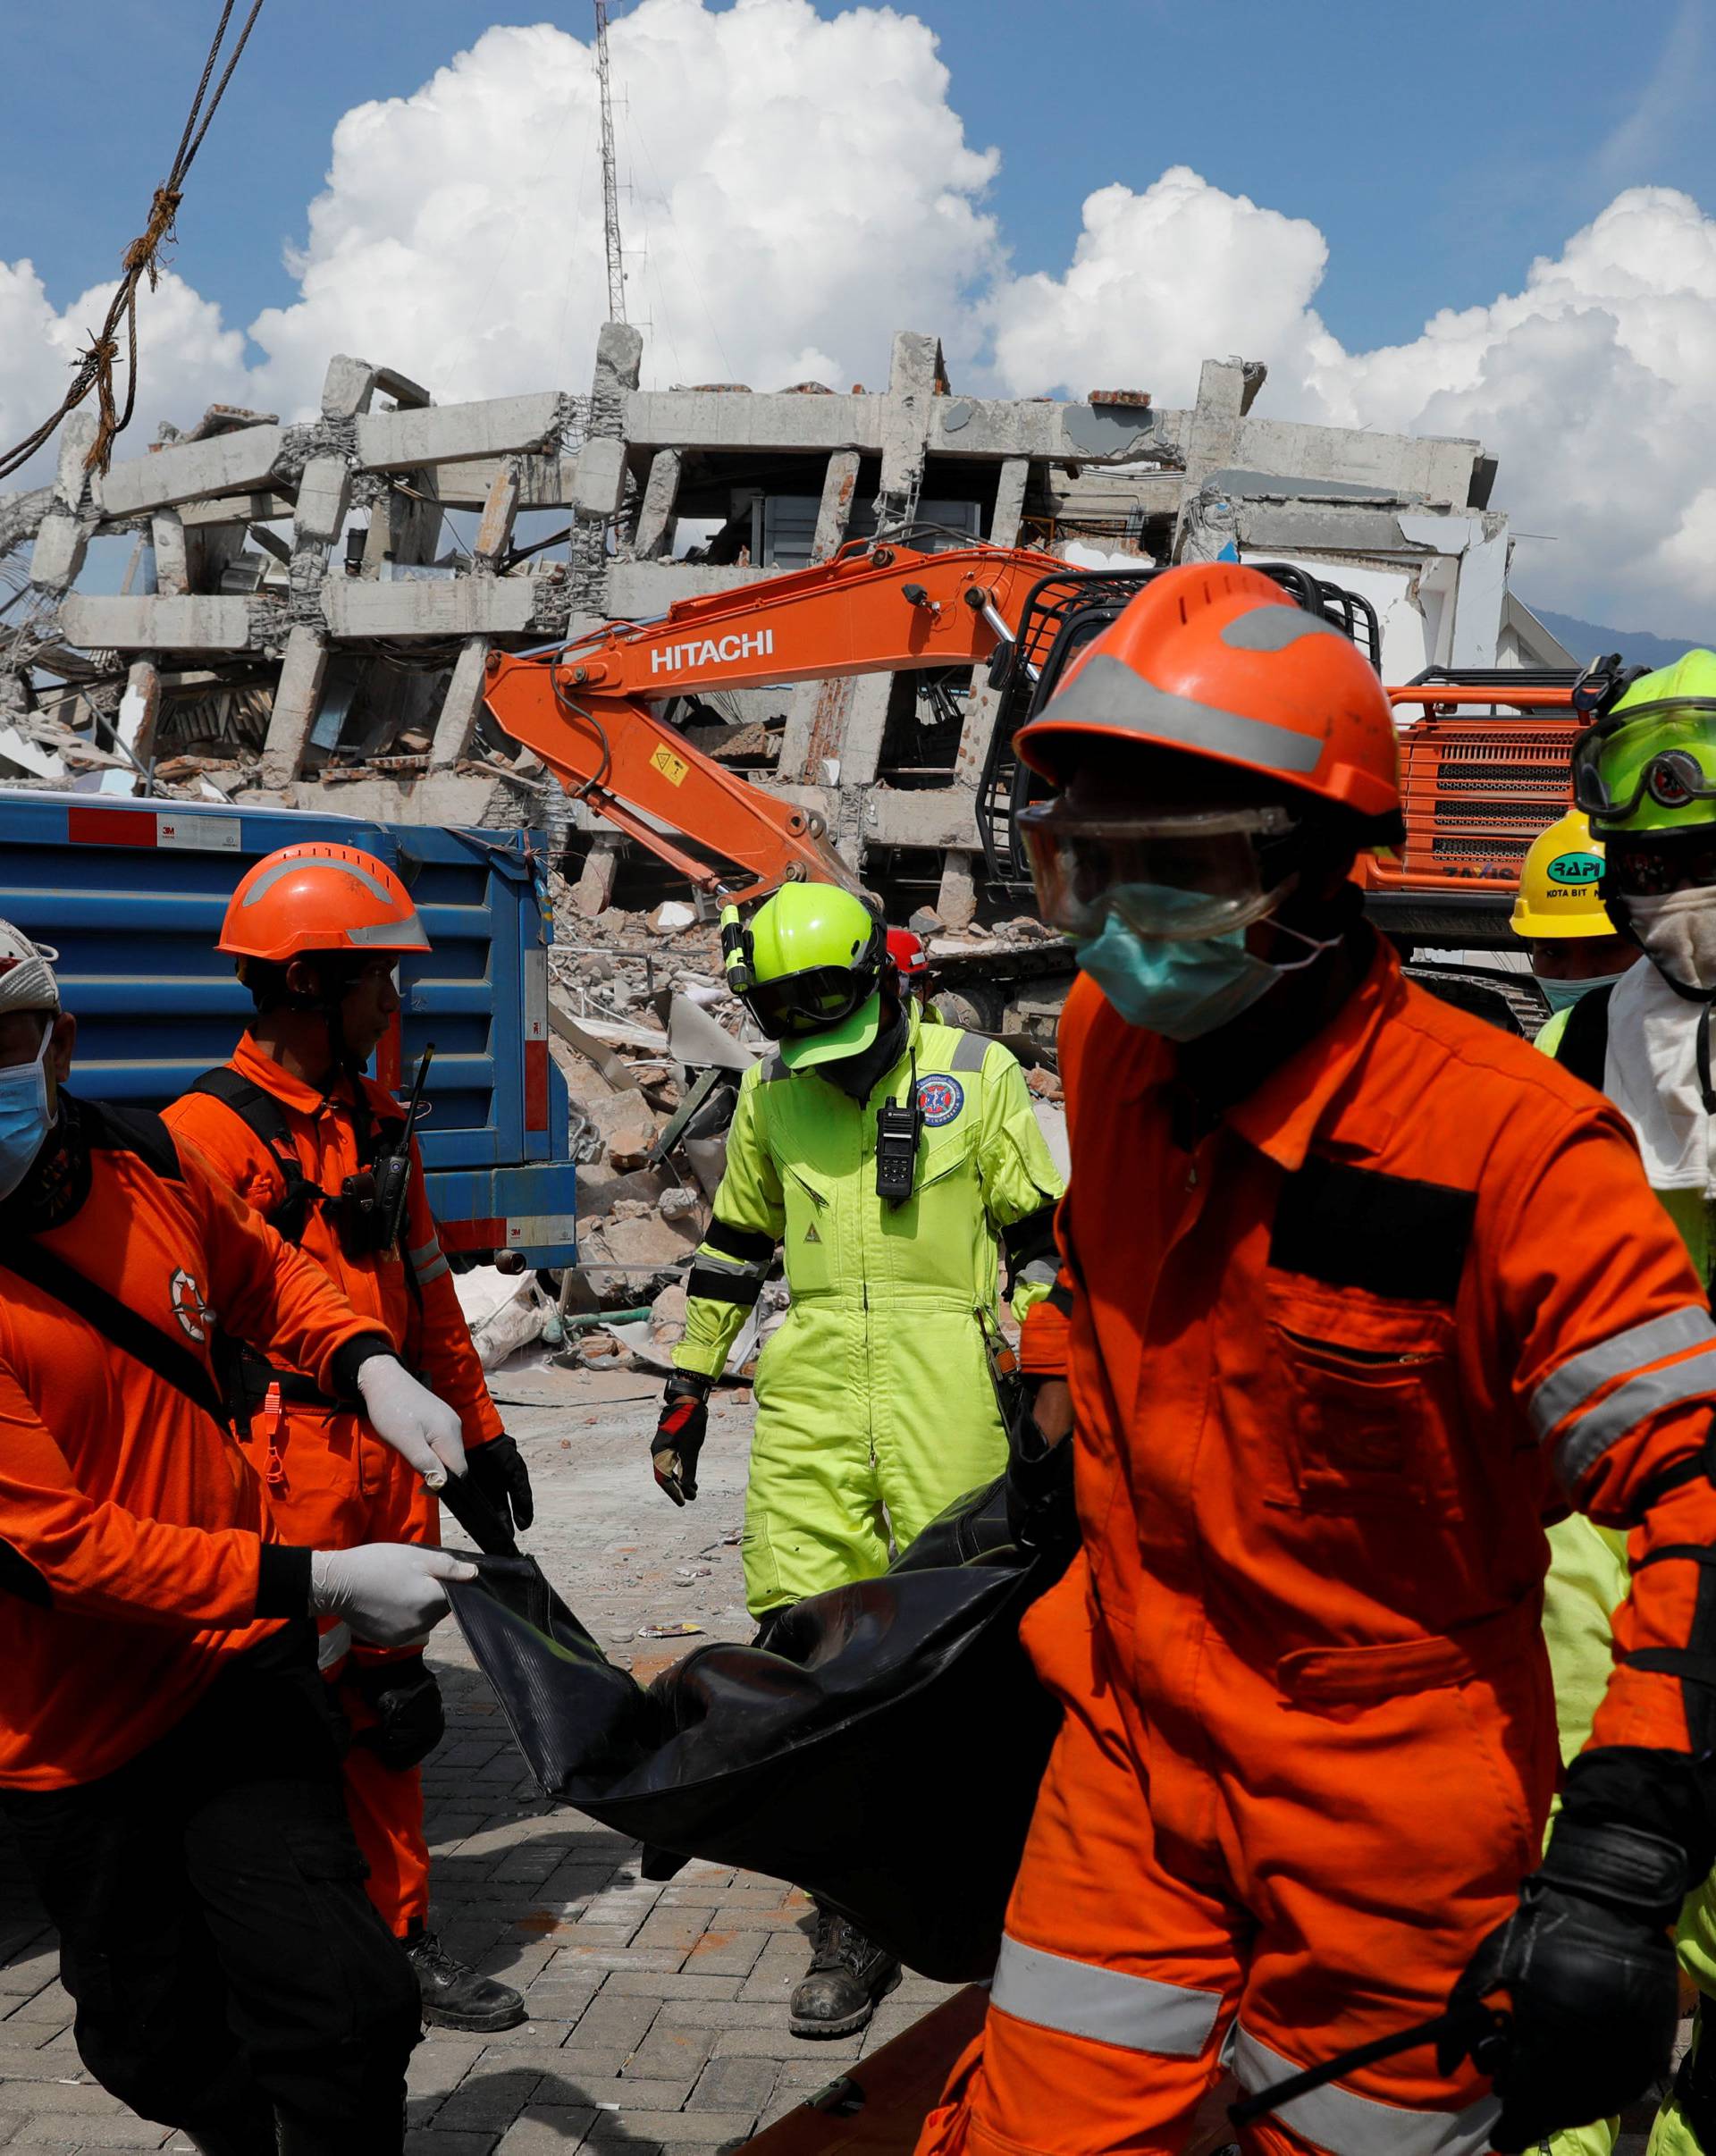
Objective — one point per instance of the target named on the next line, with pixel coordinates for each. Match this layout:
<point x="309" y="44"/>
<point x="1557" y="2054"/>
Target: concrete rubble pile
<point x="304" y="619"/>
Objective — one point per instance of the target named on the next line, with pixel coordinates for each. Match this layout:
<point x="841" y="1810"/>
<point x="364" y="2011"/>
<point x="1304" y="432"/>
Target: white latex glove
<point x="422" y="1430"/>
<point x="388" y="1593"/>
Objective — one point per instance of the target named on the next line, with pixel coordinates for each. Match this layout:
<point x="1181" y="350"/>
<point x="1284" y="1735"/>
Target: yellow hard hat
<point x="1557" y="884"/>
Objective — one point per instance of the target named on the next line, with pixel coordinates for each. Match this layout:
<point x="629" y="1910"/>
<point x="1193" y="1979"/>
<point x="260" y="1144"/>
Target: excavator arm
<point x="585" y="707"/>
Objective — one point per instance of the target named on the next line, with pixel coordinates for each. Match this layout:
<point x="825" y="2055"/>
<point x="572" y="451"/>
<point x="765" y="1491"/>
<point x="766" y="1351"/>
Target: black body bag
<point x="882" y="1751"/>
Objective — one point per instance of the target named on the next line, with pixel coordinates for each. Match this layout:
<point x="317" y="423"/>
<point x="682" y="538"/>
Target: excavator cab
<point x="1061" y="617"/>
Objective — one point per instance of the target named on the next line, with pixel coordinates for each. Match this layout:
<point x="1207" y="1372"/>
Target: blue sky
<point x="802" y="191"/>
<point x="1438" y="150"/>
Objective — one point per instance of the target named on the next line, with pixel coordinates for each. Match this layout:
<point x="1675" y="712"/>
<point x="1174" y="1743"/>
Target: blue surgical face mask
<point x="1181" y="990"/>
<point x="1559" y="994"/>
<point x="24" y="1116"/>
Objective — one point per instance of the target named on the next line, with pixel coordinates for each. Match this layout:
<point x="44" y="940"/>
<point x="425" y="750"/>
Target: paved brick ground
<point x="658" y="2013"/>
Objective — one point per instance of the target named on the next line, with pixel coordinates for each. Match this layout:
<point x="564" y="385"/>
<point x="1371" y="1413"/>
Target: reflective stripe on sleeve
<point x="1081" y="1999"/>
<point x="1346" y="2124"/>
<point x="427" y="1262"/>
<point x="1574" y="1381"/>
<point x="1585" y="1441"/>
<point x="742" y="1269"/>
<point x="429" y="1273"/>
<point x="969" y="1053"/>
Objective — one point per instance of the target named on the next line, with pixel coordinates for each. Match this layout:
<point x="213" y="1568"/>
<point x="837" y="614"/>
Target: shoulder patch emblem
<point x="188" y="1305"/>
<point x="941" y="1098"/>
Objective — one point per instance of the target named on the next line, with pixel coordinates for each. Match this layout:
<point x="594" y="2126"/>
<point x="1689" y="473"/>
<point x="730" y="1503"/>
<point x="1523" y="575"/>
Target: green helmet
<point x="809" y="964"/>
<point x="1649" y="762"/>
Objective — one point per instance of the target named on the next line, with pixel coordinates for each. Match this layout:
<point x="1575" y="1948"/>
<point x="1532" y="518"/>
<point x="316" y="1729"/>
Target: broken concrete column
<point x="834" y="513"/>
<point x="324" y="498"/>
<point x="347" y="387"/>
<point x="404" y="527"/>
<point x="171" y="544"/>
<point x="661" y="496"/>
<point x="64" y="535"/>
<point x="594" y="892"/>
<point x="1226" y="389"/>
<point x="1009" y="501"/>
<point x="956" y="900"/>
<point x="297" y="697"/>
<point x="494" y="527"/>
<point x="139" y="710"/>
<point x="619" y="357"/>
<point x="599" y="487"/>
<point x="456" y="728"/>
<point x="916" y="369"/>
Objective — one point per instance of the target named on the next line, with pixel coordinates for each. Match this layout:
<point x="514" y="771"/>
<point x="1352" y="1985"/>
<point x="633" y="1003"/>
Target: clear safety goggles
<point x="1179" y="876"/>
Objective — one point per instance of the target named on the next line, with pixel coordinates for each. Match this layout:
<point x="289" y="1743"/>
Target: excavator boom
<point x="585" y="708"/>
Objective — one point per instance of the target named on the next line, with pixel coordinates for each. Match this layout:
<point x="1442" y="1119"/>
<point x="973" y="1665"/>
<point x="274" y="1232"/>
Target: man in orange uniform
<point x="299" y="1132"/>
<point x="1359" y="1294"/>
<point x="168" y="1766"/>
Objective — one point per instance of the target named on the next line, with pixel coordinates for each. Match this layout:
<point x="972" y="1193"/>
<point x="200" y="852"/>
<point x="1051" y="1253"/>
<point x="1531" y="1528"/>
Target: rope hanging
<point x="93" y="368"/>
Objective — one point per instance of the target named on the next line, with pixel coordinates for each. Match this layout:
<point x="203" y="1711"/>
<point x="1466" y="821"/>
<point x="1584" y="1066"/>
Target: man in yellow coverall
<point x="885" y="1155"/>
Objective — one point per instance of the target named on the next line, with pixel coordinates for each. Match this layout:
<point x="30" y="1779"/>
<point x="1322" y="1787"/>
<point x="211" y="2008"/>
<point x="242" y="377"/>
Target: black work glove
<point x="406" y="1702"/>
<point x="679" y="1435"/>
<point x="1042" y="1514"/>
<point x="1586" y="1963"/>
<point x="499" y="1471"/>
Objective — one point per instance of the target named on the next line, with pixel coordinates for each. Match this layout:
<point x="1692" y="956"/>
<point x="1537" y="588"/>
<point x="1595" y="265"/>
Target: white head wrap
<point x="27" y="981"/>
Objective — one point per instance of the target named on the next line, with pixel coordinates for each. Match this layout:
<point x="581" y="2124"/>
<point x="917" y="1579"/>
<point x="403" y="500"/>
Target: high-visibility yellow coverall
<point x="1587" y="1581"/>
<point x="874" y="1407"/>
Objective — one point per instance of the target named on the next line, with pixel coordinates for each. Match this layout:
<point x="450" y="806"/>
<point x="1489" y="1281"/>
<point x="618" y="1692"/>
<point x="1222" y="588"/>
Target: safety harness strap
<point x="125" y="1328"/>
<point x="1583" y="1048"/>
<point x="264" y="1117"/>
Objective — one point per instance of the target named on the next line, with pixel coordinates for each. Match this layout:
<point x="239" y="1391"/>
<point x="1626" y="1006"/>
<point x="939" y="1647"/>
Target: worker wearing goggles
<point x="1646" y="769"/>
<point x="1354" y="1289"/>
<point x="889" y="1160"/>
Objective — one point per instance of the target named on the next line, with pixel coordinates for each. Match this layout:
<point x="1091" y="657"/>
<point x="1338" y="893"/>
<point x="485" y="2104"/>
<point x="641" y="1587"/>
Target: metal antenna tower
<point x="610" y="175"/>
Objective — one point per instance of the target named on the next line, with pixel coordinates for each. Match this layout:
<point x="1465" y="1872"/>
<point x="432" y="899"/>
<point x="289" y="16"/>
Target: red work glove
<point x="679" y="1435"/>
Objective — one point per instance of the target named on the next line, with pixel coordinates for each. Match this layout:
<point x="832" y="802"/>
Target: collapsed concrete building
<point x="294" y="618"/>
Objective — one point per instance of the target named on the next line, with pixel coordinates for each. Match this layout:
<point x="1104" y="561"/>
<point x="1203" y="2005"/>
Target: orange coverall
<point x="136" y="1550"/>
<point x="331" y="1482"/>
<point x="1336" y="1358"/>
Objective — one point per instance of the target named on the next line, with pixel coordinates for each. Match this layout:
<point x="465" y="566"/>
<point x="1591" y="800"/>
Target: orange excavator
<point x="585" y="707"/>
<point x="1485" y="765"/>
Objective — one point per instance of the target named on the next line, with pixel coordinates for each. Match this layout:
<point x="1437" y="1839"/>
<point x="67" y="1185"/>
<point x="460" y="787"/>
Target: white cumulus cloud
<point x="189" y="357"/>
<point x="1594" y="383"/>
<point x="799" y="188"/>
<point x="1157" y="284"/>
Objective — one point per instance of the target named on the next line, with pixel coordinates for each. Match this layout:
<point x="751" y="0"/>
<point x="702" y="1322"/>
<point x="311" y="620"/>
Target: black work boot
<point x="848" y="1975"/>
<point x="454" y="1995"/>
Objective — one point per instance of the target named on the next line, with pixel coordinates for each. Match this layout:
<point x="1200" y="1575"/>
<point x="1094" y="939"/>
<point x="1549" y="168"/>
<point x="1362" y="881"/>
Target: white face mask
<point x="1677" y="934"/>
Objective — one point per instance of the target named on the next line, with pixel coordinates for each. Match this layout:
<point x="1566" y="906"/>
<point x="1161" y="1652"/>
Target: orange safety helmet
<point x="911" y="960"/>
<point x="319" y="897"/>
<point x="1213" y="660"/>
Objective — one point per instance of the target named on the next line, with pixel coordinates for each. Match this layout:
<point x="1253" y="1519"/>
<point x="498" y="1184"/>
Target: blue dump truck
<point x="130" y="893"/>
